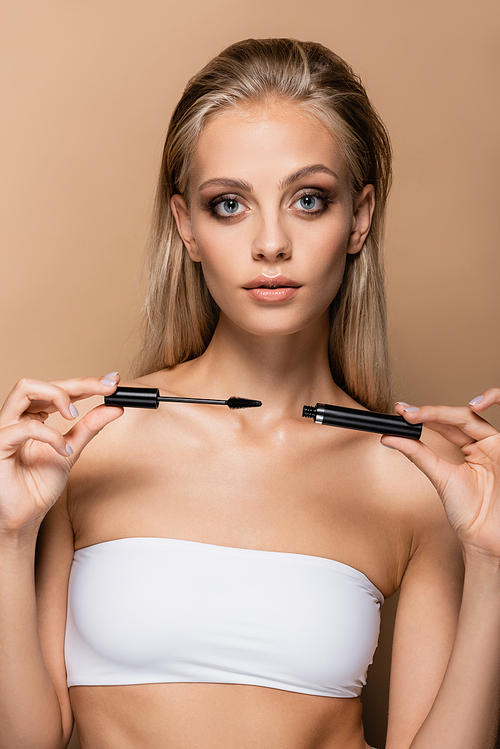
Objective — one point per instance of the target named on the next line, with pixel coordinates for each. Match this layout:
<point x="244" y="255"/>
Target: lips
<point x="272" y="289"/>
<point x="271" y="282"/>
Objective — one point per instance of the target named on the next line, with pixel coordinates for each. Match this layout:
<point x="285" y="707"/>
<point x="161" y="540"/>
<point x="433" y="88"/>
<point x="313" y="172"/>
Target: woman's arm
<point x="35" y="711"/>
<point x="464" y="706"/>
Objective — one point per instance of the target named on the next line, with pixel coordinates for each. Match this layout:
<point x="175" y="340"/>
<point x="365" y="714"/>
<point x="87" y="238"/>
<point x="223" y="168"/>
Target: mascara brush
<point x="151" y="398"/>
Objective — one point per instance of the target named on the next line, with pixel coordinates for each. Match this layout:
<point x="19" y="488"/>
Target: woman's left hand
<point x="470" y="492"/>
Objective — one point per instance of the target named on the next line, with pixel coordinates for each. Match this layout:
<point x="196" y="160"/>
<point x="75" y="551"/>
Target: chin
<point x="286" y="326"/>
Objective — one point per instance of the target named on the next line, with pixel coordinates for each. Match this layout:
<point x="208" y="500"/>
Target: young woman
<point x="212" y="578"/>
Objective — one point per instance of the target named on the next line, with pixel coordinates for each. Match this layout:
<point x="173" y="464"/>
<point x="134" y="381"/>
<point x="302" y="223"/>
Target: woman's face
<point x="271" y="217"/>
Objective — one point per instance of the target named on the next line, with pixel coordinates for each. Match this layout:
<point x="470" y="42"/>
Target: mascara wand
<point x="151" y="398"/>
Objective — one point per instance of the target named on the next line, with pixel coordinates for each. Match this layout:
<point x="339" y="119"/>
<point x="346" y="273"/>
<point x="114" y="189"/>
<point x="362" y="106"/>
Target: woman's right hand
<point x="35" y="459"/>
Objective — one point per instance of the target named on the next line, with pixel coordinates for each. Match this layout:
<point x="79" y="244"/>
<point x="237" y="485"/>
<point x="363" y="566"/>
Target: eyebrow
<point x="238" y="184"/>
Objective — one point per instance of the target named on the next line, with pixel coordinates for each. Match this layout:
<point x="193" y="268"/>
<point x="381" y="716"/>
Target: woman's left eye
<point x="312" y="203"/>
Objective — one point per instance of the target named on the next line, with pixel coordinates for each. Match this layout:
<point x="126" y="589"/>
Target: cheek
<point x="224" y="250"/>
<point x="327" y="261"/>
<point x="221" y="268"/>
<point x="329" y="280"/>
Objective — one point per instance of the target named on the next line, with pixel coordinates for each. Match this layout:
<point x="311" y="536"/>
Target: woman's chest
<point x="260" y="494"/>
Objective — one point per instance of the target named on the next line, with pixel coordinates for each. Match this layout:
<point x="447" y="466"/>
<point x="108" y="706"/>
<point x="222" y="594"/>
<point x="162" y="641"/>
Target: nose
<point x="271" y="241"/>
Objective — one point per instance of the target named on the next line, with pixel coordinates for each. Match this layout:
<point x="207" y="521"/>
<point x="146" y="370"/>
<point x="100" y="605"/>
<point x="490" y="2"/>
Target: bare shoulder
<point x="405" y="483"/>
<point x="403" y="510"/>
<point x="117" y="458"/>
<point x="437" y="553"/>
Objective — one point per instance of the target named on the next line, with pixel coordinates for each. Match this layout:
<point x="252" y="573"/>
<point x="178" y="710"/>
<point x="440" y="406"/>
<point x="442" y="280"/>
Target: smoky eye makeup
<point x="311" y="202"/>
<point x="229" y="203"/>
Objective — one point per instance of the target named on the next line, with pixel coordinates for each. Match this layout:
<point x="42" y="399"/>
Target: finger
<point x="41" y="416"/>
<point x="463" y="418"/>
<point x="32" y="396"/>
<point x="83" y="387"/>
<point x="435" y="468"/>
<point x="15" y="435"/>
<point x="487" y="399"/>
<point x="79" y="388"/>
<point x="452" y="433"/>
<point x="26" y="391"/>
<point x="91" y="424"/>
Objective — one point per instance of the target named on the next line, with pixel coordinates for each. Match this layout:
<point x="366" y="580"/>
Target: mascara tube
<point x="134" y="397"/>
<point x="365" y="421"/>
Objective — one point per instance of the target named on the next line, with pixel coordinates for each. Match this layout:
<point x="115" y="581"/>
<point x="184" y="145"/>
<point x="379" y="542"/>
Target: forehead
<point x="264" y="143"/>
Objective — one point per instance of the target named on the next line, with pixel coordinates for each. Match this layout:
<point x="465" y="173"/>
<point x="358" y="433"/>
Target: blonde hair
<point x="180" y="315"/>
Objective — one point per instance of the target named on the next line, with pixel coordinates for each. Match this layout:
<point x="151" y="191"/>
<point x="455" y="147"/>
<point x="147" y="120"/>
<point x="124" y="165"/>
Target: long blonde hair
<point x="180" y="315"/>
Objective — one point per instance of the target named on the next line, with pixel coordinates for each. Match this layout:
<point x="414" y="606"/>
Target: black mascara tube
<point x="134" y="397"/>
<point x="365" y="421"/>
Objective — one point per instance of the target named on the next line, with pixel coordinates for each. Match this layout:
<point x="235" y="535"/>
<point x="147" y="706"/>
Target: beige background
<point x="88" y="88"/>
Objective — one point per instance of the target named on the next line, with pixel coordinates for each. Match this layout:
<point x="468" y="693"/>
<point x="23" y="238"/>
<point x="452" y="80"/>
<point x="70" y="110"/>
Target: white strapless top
<point x="157" y="610"/>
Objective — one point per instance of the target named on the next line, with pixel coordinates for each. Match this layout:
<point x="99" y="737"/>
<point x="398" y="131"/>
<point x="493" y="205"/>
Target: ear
<point x="182" y="217"/>
<point x="364" y="206"/>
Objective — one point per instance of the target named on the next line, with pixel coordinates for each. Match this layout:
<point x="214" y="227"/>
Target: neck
<point x="283" y="371"/>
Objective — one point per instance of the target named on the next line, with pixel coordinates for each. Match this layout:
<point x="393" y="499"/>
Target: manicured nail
<point x="110" y="375"/>
<point x="412" y="409"/>
<point x="477" y="400"/>
<point x="69" y="449"/>
<point x="73" y="409"/>
<point x="401" y="403"/>
<point x="108" y="383"/>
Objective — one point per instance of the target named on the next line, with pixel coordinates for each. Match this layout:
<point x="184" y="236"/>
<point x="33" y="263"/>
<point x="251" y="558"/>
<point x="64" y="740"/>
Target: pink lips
<point x="272" y="288"/>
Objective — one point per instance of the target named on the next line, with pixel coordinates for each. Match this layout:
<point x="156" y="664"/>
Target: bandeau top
<point x="156" y="610"/>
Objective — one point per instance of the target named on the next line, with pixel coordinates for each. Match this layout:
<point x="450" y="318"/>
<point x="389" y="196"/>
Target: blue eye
<point x="315" y="203"/>
<point x="308" y="202"/>
<point x="230" y="207"/>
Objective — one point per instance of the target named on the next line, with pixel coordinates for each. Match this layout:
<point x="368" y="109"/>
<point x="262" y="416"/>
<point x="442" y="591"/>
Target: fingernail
<point x="69" y="449"/>
<point x="401" y="403"/>
<point x="477" y="400"/>
<point x="73" y="409"/>
<point x="107" y="382"/>
<point x="110" y="375"/>
<point x="412" y="409"/>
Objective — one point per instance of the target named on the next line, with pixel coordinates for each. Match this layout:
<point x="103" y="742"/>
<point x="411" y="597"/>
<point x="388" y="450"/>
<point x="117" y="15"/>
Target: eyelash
<point x="325" y="197"/>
